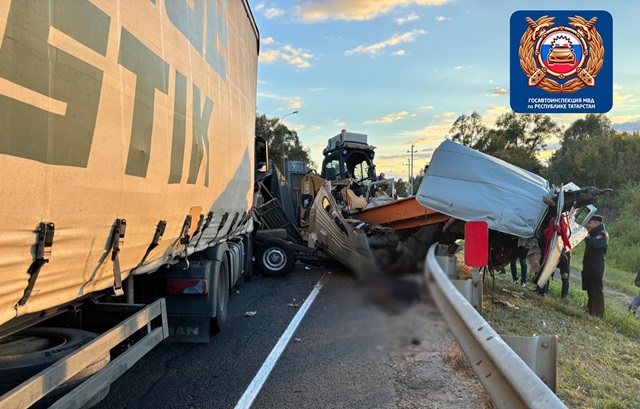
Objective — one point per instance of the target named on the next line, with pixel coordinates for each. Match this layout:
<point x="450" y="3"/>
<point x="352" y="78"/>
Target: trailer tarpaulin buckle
<point x="43" y="253"/>
<point x="204" y="227"/>
<point x="157" y="236"/>
<point x="116" y="241"/>
<point x="233" y="222"/>
<point x="184" y="236"/>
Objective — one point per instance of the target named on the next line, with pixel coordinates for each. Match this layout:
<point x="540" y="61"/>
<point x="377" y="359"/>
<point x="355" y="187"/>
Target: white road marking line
<point x="261" y="377"/>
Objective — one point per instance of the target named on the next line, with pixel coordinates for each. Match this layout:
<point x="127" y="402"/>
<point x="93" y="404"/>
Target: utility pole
<point x="284" y="170"/>
<point x="408" y="177"/>
<point x="412" y="151"/>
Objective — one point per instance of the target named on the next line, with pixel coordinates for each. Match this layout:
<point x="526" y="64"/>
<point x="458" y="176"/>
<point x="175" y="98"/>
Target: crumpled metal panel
<point x="470" y="185"/>
<point x="347" y="244"/>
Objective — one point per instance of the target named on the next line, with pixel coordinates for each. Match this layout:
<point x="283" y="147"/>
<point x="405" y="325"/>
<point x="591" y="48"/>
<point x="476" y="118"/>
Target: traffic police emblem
<point x="561" y="61"/>
<point x="548" y="54"/>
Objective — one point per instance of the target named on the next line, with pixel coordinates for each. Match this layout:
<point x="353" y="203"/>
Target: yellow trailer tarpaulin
<point x="142" y="111"/>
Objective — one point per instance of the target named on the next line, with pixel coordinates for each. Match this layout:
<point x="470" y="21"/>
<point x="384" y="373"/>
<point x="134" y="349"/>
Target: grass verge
<point x="598" y="360"/>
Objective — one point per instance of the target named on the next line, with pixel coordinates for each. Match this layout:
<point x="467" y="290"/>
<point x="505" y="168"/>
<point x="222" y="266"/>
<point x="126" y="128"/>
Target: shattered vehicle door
<point x="346" y="243"/>
<point x="556" y="244"/>
<point x="576" y="233"/>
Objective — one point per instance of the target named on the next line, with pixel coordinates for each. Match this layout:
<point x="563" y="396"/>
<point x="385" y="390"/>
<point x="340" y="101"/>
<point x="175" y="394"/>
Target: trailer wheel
<point x="222" y="296"/>
<point x="28" y="352"/>
<point x="275" y="258"/>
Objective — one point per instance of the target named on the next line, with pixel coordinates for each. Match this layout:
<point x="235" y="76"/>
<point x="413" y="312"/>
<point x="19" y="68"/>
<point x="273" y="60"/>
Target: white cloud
<point x="411" y="17"/>
<point x="268" y="40"/>
<point x="491" y="115"/>
<point x="387" y="119"/>
<point x="340" y="123"/>
<point x="443" y="18"/>
<point x="620" y="98"/>
<point x="288" y="54"/>
<point x="295" y="104"/>
<point x="292" y="102"/>
<point x="313" y="11"/>
<point x="259" y="7"/>
<point x="448" y="114"/>
<point x="273" y="13"/>
<point x="319" y="89"/>
<point x="396" y="39"/>
<point x="269" y="56"/>
<point x="619" y="119"/>
<point x="430" y="135"/>
<point x="399" y="53"/>
<point x="426" y="107"/>
<point x="498" y="91"/>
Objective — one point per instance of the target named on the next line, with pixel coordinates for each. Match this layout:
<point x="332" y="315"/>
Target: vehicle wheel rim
<point x="274" y="259"/>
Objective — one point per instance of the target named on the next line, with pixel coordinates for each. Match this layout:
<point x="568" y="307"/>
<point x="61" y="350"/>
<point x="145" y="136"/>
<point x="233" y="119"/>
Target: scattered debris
<point x="297" y="339"/>
<point x="293" y="305"/>
<point x="415" y="341"/>
<point x="328" y="272"/>
<point x="543" y="324"/>
<point x="507" y="304"/>
<point x="237" y="291"/>
<point x="517" y="294"/>
<point x="250" y="313"/>
<point x="562" y="324"/>
<point x="307" y="268"/>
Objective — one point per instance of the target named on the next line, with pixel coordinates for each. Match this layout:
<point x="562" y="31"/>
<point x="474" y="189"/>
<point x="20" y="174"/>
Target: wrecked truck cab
<point x="468" y="185"/>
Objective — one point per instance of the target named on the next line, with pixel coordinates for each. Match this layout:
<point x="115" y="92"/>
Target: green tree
<point x="602" y="161"/>
<point x="529" y="131"/>
<point x="467" y="130"/>
<point x="274" y="132"/>
<point x="591" y="125"/>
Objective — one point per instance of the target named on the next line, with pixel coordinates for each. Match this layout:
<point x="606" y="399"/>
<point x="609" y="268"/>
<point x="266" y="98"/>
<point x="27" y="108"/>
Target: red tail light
<point x="187" y="286"/>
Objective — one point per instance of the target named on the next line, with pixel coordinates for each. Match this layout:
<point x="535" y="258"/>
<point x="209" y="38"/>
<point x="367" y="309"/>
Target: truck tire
<point x="275" y="258"/>
<point x="28" y="352"/>
<point x="222" y="296"/>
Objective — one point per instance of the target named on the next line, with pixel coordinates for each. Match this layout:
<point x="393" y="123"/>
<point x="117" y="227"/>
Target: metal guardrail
<point x="505" y="376"/>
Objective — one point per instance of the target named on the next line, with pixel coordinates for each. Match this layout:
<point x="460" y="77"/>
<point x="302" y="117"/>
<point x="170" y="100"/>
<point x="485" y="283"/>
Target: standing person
<point x="633" y="307"/>
<point x="565" y="270"/>
<point x="593" y="265"/>
<point x="523" y="270"/>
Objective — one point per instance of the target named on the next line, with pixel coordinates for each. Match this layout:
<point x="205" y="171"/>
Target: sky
<point x="402" y="71"/>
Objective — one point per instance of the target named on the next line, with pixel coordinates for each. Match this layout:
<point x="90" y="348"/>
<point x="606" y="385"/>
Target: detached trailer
<point x="126" y="172"/>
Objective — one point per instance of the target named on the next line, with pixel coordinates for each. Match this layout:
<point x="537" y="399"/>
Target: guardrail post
<point x="448" y="263"/>
<point x="476" y="290"/>
<point x="470" y="289"/>
<point x="540" y="353"/>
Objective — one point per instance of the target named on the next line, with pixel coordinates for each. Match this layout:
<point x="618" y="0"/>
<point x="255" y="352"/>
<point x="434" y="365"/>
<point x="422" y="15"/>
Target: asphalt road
<point x="346" y="353"/>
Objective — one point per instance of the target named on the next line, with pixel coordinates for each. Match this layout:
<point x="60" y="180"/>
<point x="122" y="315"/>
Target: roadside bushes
<point x="624" y="231"/>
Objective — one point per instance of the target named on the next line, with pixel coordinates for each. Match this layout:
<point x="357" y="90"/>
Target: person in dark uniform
<point x="593" y="265"/>
<point x="565" y="270"/>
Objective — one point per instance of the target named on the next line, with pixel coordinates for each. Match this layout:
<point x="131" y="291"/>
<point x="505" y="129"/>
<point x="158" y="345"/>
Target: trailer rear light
<point x="187" y="286"/>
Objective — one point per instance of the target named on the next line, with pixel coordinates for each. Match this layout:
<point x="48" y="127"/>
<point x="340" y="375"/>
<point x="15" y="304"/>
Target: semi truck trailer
<point x="127" y="182"/>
